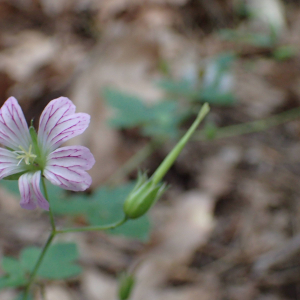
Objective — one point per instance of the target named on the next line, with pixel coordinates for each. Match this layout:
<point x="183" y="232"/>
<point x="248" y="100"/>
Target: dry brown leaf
<point x="97" y="286"/>
<point x="259" y="97"/>
<point x="31" y="51"/>
<point x="55" y="292"/>
<point x="189" y="227"/>
<point x="218" y="171"/>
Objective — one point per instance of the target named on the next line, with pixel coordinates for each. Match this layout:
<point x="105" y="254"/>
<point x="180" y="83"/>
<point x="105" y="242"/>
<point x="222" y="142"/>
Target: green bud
<point x="142" y="197"/>
<point x="126" y="284"/>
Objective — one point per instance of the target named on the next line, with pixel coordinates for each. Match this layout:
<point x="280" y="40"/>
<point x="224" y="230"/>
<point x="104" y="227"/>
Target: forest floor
<point x="229" y="226"/>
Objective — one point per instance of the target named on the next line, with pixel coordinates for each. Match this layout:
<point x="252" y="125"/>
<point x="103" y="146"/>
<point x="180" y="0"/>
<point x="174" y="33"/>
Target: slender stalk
<point x="251" y="127"/>
<point x="171" y="157"/>
<point x="37" y="265"/>
<point x="53" y="233"/>
<point x="45" y="248"/>
<point x="223" y="132"/>
<point x="50" y="210"/>
<point x="94" y="228"/>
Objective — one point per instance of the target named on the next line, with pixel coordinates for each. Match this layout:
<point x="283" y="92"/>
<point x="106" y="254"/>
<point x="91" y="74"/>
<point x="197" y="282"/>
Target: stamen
<point x="26" y="155"/>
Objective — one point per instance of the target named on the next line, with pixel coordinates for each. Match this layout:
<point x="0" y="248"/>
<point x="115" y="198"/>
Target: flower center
<point x="27" y="156"/>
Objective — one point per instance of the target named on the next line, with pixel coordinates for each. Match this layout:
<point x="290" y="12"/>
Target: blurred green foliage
<point x="212" y="84"/>
<point x="58" y="263"/>
<point x="158" y="120"/>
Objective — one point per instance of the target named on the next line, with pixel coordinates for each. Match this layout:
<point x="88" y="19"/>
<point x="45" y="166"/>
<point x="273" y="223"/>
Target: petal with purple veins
<point x="59" y="122"/>
<point x="27" y="195"/>
<point x="29" y="186"/>
<point x="13" y="127"/>
<point x="35" y="181"/>
<point x="66" y="168"/>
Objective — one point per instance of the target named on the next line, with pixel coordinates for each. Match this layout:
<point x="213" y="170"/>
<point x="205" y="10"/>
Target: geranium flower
<point x="31" y="155"/>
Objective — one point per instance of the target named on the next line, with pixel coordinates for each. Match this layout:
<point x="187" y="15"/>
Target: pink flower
<point x="32" y="154"/>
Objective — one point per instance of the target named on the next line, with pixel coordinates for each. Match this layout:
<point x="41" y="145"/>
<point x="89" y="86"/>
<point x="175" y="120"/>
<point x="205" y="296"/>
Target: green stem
<point x="45" y="248"/>
<point x="94" y="228"/>
<point x="50" y="210"/>
<point x="251" y="127"/>
<point x="225" y="132"/>
<point x="171" y="157"/>
<point x="53" y="233"/>
<point x="37" y="265"/>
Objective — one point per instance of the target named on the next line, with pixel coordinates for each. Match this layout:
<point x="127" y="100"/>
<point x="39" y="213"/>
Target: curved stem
<point x="50" y="210"/>
<point x="171" y="157"/>
<point x="94" y="228"/>
<point x="37" y="265"/>
<point x="251" y="127"/>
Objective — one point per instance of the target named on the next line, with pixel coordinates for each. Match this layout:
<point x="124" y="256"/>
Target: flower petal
<point x="35" y="181"/>
<point x="9" y="163"/>
<point x="29" y="185"/>
<point x="66" y="168"/>
<point x="59" y="122"/>
<point x="27" y="197"/>
<point x="13" y="127"/>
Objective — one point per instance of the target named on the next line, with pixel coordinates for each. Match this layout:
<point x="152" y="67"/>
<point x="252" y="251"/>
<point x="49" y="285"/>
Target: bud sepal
<point x="126" y="284"/>
<point x="145" y="193"/>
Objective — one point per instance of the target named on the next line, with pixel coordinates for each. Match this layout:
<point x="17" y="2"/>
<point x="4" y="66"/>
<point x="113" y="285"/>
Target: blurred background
<point x="228" y="227"/>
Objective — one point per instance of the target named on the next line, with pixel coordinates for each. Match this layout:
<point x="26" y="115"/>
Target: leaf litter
<point x="229" y="226"/>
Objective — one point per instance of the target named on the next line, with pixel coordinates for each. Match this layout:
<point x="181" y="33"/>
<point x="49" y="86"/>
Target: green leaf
<point x="58" y="262"/>
<point x="15" y="274"/>
<point x="212" y="96"/>
<point x="14" y="176"/>
<point x="108" y="208"/>
<point x="158" y="120"/>
<point x="11" y="186"/>
<point x="137" y="229"/>
<point x="20" y="297"/>
<point x="166" y="118"/>
<point x="130" y="110"/>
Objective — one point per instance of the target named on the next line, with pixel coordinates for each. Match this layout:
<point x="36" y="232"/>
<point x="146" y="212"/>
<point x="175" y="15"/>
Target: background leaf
<point x="15" y="274"/>
<point x="58" y="262"/>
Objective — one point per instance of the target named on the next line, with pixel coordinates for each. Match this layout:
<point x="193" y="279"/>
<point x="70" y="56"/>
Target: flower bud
<point x="126" y="284"/>
<point x="142" y="197"/>
<point x="147" y="191"/>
